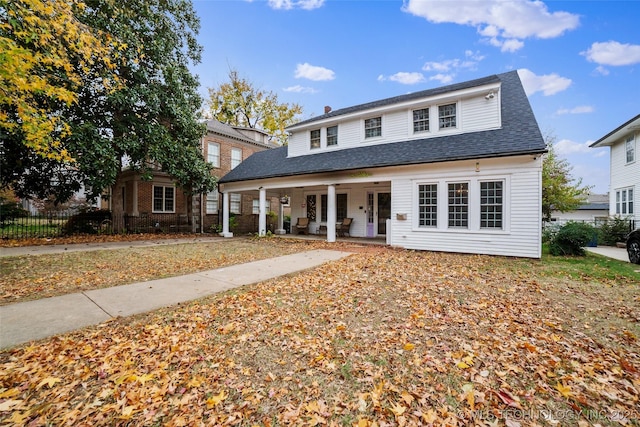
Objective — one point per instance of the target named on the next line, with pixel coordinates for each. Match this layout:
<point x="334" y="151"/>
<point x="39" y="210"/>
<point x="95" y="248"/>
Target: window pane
<point x="236" y="157"/>
<point x="373" y="127"/>
<point x="213" y="154"/>
<point x="315" y="138"/>
<point x="323" y="208"/>
<point x="447" y="116"/>
<point x="630" y="201"/>
<point x="341" y="206"/>
<point x="458" y="204"/>
<point x="168" y="199"/>
<point x="491" y="204"/>
<point x="256" y="206"/>
<point x="332" y="135"/>
<point x="212" y="202"/>
<point x="158" y="193"/>
<point x="630" y="149"/>
<point x="428" y="205"/>
<point x="421" y="120"/>
<point x="235" y="202"/>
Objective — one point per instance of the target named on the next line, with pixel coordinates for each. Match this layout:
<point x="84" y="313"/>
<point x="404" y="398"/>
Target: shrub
<point x="89" y="222"/>
<point x="613" y="230"/>
<point x="571" y="239"/>
<point x="549" y="231"/>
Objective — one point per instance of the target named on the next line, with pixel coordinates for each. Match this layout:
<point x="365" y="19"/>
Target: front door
<point x="384" y="212"/>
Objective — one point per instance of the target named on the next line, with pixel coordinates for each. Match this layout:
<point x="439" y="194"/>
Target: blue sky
<point x="579" y="60"/>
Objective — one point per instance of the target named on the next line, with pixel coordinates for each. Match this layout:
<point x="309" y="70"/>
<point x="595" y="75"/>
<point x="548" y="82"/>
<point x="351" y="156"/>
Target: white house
<point x="455" y="169"/>
<point x="625" y="169"/>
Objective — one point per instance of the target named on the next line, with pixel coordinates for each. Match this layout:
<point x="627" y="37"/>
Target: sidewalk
<point x="33" y="320"/>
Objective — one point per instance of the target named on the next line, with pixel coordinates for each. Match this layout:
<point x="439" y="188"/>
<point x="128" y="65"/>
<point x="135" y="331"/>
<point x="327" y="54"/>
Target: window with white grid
<point x="491" y="203"/>
<point x="428" y="205"/>
<point x="212" y="202"/>
<point x="332" y="136"/>
<point x="421" y="120"/>
<point x="163" y="199"/>
<point x="630" y="149"/>
<point x="458" y="195"/>
<point x="213" y="154"/>
<point x="447" y="116"/>
<point x="236" y="157"/>
<point x="315" y="138"/>
<point x="235" y="203"/>
<point x="373" y="127"/>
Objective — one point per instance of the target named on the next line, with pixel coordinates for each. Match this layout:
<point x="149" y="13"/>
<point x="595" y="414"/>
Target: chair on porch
<point x="302" y="226"/>
<point x="343" y="229"/>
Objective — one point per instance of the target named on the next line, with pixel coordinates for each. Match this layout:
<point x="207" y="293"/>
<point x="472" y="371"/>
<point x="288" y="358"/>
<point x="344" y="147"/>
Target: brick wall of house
<point x="247" y="222"/>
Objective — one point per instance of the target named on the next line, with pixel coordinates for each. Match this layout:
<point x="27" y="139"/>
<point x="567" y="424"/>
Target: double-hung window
<point x="447" y="116"/>
<point x="315" y="139"/>
<point x="213" y="154"/>
<point x="256" y="206"/>
<point x="491" y="203"/>
<point x="235" y="203"/>
<point x="421" y="120"/>
<point x="428" y="205"/>
<point x="624" y="201"/>
<point x="630" y="149"/>
<point x="332" y="136"/>
<point x="458" y="198"/>
<point x="163" y="199"/>
<point x="212" y="202"/>
<point x="373" y="127"/>
<point x="236" y="157"/>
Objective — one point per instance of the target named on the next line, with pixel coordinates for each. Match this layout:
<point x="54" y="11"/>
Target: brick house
<point x="225" y="147"/>
<point x="161" y="205"/>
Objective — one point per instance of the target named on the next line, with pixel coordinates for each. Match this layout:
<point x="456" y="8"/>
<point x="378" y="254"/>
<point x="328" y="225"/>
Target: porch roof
<point x="519" y="135"/>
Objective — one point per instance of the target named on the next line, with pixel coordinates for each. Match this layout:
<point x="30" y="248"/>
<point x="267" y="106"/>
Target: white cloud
<point x="293" y="4"/>
<point x="548" y="84"/>
<point x="582" y="109"/>
<point x="312" y="72"/>
<point x="406" y="78"/>
<point x="505" y="23"/>
<point x="565" y="147"/>
<point x="601" y="70"/>
<point x="300" y="89"/>
<point x="613" y="53"/>
<point x="442" y="78"/>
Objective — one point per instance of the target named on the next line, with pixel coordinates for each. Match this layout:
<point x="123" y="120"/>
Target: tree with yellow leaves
<point x="44" y="52"/>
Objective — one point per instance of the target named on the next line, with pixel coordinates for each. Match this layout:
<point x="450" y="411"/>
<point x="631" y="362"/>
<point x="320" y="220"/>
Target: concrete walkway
<point x="33" y="320"/>
<point x="611" y="252"/>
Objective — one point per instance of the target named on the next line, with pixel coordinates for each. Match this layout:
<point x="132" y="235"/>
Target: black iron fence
<point x="58" y="224"/>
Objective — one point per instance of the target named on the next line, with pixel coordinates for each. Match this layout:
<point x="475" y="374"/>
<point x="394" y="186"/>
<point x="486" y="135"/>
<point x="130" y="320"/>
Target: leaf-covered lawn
<point x="30" y="277"/>
<point x="383" y="337"/>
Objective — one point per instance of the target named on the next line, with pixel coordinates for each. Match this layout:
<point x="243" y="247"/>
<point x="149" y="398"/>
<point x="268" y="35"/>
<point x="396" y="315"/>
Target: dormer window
<point x="373" y="127"/>
<point x="421" y="120"/>
<point x="447" y="116"/>
<point x="315" y="139"/>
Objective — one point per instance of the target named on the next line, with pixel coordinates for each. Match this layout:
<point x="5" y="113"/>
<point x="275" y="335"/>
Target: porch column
<point x="331" y="213"/>
<point x="281" y="229"/>
<point x="225" y="215"/>
<point x="262" y="215"/>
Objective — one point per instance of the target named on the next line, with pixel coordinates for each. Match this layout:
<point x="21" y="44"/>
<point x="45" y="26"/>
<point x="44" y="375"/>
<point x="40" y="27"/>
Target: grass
<point x="383" y="337"/>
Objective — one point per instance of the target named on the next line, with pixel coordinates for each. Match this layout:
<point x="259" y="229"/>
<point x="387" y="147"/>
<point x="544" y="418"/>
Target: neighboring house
<point x="160" y="201"/>
<point x="226" y="147"/>
<point x="455" y="169"/>
<point x="594" y="209"/>
<point x="625" y="169"/>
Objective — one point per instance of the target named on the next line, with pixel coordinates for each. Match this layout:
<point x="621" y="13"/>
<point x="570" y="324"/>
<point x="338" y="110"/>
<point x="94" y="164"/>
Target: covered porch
<point x="324" y="206"/>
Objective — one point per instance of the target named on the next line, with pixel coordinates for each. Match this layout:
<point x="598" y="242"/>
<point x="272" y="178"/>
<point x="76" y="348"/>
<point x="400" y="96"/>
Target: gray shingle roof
<point x="519" y="134"/>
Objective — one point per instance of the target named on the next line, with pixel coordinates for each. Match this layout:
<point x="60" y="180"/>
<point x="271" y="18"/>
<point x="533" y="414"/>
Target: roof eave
<point x="615" y="135"/>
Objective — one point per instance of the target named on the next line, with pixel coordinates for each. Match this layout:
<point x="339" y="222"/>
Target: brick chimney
<point x="327" y="109"/>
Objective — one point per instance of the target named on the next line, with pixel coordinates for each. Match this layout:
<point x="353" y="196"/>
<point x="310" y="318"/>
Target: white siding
<point x="522" y="212"/>
<point x="625" y="175"/>
<point x="474" y="113"/>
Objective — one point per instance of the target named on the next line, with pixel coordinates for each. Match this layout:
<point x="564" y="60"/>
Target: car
<point x="633" y="246"/>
